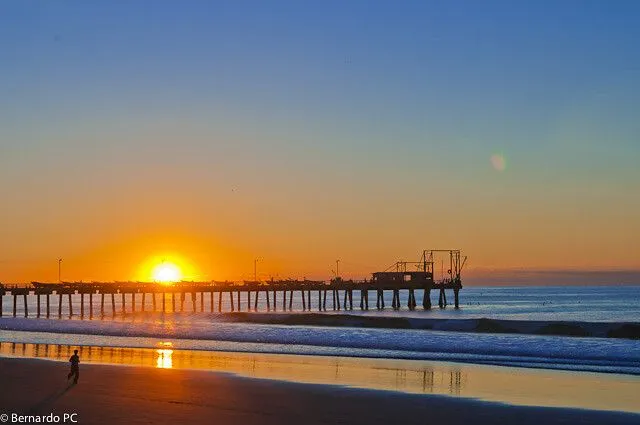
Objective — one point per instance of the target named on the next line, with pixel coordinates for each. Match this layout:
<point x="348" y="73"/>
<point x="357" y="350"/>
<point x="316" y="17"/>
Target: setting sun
<point x="166" y="273"/>
<point x="166" y="267"/>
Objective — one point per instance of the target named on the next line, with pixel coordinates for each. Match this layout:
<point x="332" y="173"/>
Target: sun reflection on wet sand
<point x="533" y="387"/>
<point x="165" y="355"/>
<point x="164" y="360"/>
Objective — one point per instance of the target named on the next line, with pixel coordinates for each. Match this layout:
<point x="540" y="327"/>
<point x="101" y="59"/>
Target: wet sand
<point x="507" y="385"/>
<point x="137" y="395"/>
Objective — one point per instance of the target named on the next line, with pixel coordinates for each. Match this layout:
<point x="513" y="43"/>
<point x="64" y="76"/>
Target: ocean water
<point x="195" y="330"/>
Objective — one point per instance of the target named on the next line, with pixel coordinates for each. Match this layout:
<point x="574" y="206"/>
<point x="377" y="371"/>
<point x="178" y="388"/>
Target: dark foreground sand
<point x="137" y="395"/>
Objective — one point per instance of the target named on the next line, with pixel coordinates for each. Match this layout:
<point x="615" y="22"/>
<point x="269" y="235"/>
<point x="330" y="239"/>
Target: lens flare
<point x="498" y="162"/>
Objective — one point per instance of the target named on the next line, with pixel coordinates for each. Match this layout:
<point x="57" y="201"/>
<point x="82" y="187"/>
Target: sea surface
<point x="203" y="330"/>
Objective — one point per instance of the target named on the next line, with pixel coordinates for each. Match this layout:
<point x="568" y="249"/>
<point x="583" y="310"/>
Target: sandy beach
<point x="139" y="395"/>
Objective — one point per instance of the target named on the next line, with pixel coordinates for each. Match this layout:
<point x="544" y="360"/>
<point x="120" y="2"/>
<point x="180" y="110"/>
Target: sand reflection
<point x="164" y="360"/>
<point x="519" y="386"/>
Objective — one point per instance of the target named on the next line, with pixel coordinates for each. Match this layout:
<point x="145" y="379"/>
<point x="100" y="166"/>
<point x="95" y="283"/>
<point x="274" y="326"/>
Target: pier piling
<point x="426" y="299"/>
<point x="395" y="303"/>
<point x="456" y="292"/>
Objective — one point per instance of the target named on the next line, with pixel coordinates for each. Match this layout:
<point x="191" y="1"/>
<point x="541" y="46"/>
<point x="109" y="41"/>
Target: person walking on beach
<point x="75" y="367"/>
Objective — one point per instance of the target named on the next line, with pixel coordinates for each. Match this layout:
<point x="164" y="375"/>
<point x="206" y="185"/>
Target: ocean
<point x="447" y="341"/>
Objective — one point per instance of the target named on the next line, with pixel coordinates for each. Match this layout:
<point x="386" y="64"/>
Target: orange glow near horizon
<point x="527" y="168"/>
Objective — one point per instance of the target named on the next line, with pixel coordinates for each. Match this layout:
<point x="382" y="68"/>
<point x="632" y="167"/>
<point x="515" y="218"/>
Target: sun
<point x="166" y="268"/>
<point x="166" y="273"/>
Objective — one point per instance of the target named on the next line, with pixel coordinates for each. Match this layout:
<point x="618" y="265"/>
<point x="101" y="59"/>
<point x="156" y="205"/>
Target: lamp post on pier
<point x="255" y="269"/>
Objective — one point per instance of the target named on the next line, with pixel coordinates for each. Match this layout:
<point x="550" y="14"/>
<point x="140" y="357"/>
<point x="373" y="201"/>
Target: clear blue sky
<point x="334" y="107"/>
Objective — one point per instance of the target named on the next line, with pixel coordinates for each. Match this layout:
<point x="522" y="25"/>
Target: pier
<point x="414" y="279"/>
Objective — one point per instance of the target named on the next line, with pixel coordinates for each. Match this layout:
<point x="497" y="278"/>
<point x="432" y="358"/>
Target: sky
<point x="210" y="134"/>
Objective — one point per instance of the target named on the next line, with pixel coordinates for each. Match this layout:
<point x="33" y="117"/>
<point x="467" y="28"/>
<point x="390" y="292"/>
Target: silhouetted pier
<point x="99" y="298"/>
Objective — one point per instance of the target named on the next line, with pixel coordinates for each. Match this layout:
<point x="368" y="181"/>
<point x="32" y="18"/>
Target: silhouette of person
<point x="75" y="367"/>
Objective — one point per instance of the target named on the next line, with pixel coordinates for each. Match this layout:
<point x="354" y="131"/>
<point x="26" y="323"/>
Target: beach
<point x="141" y="395"/>
<point x="500" y="359"/>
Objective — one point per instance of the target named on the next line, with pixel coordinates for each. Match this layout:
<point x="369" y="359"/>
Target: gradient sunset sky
<point x="300" y="132"/>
